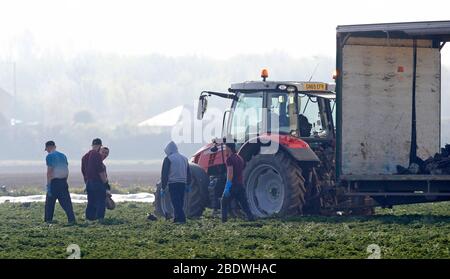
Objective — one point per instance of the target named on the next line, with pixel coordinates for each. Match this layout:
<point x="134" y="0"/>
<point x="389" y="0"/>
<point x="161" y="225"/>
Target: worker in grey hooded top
<point x="176" y="174"/>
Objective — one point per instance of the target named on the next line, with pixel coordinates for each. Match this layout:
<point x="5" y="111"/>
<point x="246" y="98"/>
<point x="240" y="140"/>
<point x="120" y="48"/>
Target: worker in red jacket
<point x="234" y="187"/>
<point x="96" y="182"/>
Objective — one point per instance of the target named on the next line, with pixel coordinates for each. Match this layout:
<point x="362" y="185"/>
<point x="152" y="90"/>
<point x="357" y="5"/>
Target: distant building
<point x="6" y="107"/>
<point x="166" y="119"/>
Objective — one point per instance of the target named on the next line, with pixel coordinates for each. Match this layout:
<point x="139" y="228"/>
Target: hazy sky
<point x="217" y="29"/>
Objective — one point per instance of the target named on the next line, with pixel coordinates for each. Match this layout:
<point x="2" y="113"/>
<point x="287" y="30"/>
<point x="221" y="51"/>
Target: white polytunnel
<point x="80" y="198"/>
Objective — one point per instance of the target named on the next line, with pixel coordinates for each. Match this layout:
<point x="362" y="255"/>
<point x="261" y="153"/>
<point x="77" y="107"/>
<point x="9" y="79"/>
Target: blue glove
<point x="188" y="188"/>
<point x="49" y="193"/>
<point x="227" y="191"/>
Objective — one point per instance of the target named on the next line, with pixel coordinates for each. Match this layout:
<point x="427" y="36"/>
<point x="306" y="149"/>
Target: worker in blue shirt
<point x="57" y="187"/>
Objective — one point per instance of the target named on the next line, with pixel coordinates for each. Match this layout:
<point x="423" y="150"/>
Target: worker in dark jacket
<point x="176" y="174"/>
<point x="96" y="181"/>
<point x="234" y="187"/>
<point x="96" y="146"/>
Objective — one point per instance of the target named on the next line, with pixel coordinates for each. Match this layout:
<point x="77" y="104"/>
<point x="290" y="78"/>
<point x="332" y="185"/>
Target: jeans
<point x="59" y="190"/>
<point x="96" y="195"/>
<point x="238" y="193"/>
<point x="177" y="197"/>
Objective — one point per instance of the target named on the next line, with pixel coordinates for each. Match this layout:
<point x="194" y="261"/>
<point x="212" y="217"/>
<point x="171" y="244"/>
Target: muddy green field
<point x="414" y="231"/>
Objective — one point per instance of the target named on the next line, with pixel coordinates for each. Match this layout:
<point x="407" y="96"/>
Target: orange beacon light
<point x="264" y="74"/>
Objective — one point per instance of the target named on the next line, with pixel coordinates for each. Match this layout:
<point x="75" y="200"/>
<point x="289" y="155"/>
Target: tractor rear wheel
<point x="274" y="185"/>
<point x="195" y="197"/>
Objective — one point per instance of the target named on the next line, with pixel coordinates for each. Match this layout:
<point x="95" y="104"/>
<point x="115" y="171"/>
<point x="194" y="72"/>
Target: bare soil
<point x="23" y="180"/>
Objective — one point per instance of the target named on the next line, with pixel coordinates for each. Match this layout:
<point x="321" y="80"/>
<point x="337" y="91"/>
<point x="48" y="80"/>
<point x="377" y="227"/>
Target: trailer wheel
<point x="195" y="199"/>
<point x="274" y="185"/>
<point x="369" y="211"/>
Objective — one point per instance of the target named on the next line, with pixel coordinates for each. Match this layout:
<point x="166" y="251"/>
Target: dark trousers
<point x="96" y="195"/>
<point x="177" y="197"/>
<point x="237" y="192"/>
<point x="59" y="190"/>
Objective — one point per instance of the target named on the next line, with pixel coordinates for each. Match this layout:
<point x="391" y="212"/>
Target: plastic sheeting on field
<point x="79" y="198"/>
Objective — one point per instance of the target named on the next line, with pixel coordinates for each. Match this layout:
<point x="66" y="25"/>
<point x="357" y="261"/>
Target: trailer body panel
<point x="377" y="105"/>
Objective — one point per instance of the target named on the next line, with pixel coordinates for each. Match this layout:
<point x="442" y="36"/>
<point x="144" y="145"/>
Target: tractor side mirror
<point x="202" y="106"/>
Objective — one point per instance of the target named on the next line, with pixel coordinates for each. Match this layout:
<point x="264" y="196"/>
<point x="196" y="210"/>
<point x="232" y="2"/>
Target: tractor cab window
<point x="280" y="105"/>
<point x="309" y="120"/>
<point x="247" y="116"/>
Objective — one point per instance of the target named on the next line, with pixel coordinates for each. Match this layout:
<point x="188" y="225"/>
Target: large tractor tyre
<point x="200" y="195"/>
<point x="195" y="197"/>
<point x="274" y="185"/>
<point x="365" y="210"/>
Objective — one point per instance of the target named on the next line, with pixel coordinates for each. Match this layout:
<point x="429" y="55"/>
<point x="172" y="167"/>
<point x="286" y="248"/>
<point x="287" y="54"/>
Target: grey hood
<point x="171" y="148"/>
<point x="178" y="164"/>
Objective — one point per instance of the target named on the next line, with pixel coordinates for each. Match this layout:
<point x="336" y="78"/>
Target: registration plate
<point x="315" y="86"/>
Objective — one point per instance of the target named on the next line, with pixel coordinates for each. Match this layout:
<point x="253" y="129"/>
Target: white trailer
<point x="388" y="95"/>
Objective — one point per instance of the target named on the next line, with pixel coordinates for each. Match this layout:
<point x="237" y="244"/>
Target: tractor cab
<point x="295" y="109"/>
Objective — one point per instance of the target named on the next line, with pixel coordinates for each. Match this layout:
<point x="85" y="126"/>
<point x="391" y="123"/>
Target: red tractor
<point x="285" y="133"/>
